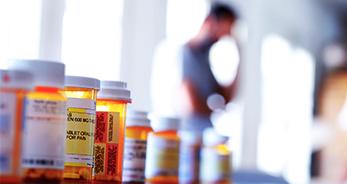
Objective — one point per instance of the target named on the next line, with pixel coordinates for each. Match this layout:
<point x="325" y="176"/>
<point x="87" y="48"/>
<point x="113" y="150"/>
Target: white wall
<point x="250" y="81"/>
<point x="144" y="24"/>
<point x="51" y="29"/>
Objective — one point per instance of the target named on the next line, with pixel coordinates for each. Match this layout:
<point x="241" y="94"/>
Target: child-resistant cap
<point x="190" y="137"/>
<point x="114" y="90"/>
<point x="212" y="138"/>
<point x="45" y="73"/>
<point x="82" y="82"/>
<point x="167" y="123"/>
<point x="137" y="118"/>
<point x="113" y="84"/>
<point x="16" y="79"/>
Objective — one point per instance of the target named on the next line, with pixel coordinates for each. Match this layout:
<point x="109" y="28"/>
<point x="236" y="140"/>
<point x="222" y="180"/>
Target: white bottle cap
<point x="137" y="118"/>
<point x="82" y="82"/>
<point x="45" y="73"/>
<point x="116" y="91"/>
<point x="212" y="138"/>
<point x="190" y="137"/>
<point x="167" y="123"/>
<point x="16" y="79"/>
<point x="113" y="84"/>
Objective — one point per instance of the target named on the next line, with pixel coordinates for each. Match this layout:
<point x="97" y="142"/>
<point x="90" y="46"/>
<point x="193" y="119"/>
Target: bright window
<point x="184" y="18"/>
<point x="224" y="60"/>
<point x="20" y="29"/>
<point x="284" y="135"/>
<point x="92" y="38"/>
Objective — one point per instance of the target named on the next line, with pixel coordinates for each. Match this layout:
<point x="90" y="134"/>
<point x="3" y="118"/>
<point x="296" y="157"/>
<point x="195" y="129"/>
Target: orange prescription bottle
<point x="137" y="128"/>
<point x="44" y="121"/>
<point x="163" y="152"/>
<point x="215" y="167"/>
<point x="81" y="112"/>
<point x="111" y="105"/>
<point x="13" y="86"/>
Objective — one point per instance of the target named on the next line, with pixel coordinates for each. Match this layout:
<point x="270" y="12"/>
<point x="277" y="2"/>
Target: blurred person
<point x="198" y="81"/>
<point x="182" y="84"/>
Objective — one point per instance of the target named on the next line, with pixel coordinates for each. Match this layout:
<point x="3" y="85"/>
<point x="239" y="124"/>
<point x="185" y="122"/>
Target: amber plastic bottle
<point x="13" y="87"/>
<point x="111" y="106"/>
<point x="79" y="141"/>
<point x="44" y="121"/>
<point x="215" y="167"/>
<point x="137" y="128"/>
<point x="162" y="157"/>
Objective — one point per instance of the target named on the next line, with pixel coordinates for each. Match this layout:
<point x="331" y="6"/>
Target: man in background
<point x="198" y="81"/>
<point x="182" y="79"/>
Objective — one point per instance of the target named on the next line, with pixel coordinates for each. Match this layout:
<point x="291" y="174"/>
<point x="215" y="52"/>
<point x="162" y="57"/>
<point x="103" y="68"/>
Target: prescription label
<point x="7" y="131"/>
<point x="79" y="139"/>
<point x="44" y="134"/>
<point x="162" y="157"/>
<point x="134" y="160"/>
<point x="106" y="144"/>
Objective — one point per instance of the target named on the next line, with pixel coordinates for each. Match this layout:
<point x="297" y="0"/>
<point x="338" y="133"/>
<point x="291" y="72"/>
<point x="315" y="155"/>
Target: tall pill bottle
<point x="215" y="167"/>
<point x="189" y="158"/>
<point x="111" y="107"/>
<point x="81" y="113"/>
<point x="44" y="121"/>
<point x="13" y="87"/>
<point x="163" y="152"/>
<point x="137" y="128"/>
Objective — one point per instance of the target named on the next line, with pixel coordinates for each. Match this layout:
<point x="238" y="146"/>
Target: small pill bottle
<point x="189" y="156"/>
<point x="215" y="166"/>
<point x="81" y="113"/>
<point x="163" y="152"/>
<point x="111" y="106"/>
<point x="13" y="87"/>
<point x="137" y="128"/>
<point x="44" y="121"/>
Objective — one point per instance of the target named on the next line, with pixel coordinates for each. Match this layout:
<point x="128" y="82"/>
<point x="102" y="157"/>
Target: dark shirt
<point x="196" y="69"/>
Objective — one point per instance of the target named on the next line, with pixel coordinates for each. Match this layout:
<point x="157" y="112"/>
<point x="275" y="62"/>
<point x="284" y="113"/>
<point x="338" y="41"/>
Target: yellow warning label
<point x="80" y="131"/>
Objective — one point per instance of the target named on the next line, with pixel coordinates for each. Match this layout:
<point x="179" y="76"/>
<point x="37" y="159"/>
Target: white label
<point x="7" y="128"/>
<point x="44" y="134"/>
<point x="162" y="157"/>
<point x="214" y="166"/>
<point x="189" y="162"/>
<point x="134" y="160"/>
<point x="88" y="160"/>
<point x="81" y="103"/>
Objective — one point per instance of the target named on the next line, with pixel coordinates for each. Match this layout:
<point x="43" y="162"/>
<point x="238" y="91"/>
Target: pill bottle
<point x="137" y="128"/>
<point x="215" y="166"/>
<point x="163" y="152"/>
<point x="81" y="113"/>
<point x="111" y="106"/>
<point x="44" y="121"/>
<point x="189" y="156"/>
<point x="13" y="87"/>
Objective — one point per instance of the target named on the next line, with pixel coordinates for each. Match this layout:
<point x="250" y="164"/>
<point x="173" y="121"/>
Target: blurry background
<point x="290" y="116"/>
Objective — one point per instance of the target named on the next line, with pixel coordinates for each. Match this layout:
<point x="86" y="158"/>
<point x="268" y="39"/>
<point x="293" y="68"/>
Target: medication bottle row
<point x="181" y="156"/>
<point x="55" y="127"/>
